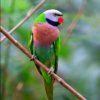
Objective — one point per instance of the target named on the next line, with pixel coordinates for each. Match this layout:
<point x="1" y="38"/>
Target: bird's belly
<point x="45" y="55"/>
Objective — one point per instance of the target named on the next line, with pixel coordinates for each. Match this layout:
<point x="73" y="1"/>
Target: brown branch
<point x="17" y="91"/>
<point x="56" y="77"/>
<point x="74" y="23"/>
<point x="30" y="12"/>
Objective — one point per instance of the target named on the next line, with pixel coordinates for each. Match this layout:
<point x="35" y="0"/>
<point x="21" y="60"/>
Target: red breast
<point x="44" y="34"/>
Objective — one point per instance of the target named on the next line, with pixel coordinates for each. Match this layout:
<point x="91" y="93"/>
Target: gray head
<point x="53" y="17"/>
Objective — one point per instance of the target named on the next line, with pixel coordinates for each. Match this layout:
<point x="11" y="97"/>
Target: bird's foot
<point x="33" y="57"/>
<point x="50" y="71"/>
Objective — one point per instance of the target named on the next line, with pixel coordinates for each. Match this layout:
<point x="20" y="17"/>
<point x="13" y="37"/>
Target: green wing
<point x="30" y="42"/>
<point x="32" y="48"/>
<point x="56" y="49"/>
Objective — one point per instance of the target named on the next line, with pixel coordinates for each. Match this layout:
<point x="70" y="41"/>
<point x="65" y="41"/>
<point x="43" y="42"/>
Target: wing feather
<point x="32" y="48"/>
<point x="56" y="49"/>
<point x="30" y="42"/>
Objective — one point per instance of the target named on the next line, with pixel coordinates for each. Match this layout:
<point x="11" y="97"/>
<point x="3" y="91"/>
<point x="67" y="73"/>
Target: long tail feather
<point x="49" y="89"/>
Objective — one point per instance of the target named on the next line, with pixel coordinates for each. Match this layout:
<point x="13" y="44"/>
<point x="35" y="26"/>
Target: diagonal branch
<point x="56" y="77"/>
<point x="30" y="12"/>
<point x="74" y="23"/>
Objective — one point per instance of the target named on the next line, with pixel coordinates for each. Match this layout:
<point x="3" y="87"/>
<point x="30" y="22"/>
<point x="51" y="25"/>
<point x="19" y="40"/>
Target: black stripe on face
<point x="55" y="14"/>
<point x="52" y="22"/>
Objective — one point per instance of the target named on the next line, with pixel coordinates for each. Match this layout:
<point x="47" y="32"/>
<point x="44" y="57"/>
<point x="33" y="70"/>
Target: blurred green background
<point x="79" y="63"/>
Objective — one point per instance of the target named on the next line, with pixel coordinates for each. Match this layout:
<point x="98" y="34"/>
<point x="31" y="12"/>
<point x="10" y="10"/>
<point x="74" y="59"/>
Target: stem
<point x="4" y="72"/>
<point x="7" y="53"/>
<point x="73" y="24"/>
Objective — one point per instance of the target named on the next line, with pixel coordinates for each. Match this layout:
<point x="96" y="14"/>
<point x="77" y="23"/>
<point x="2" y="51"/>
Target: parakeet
<point x="44" y="43"/>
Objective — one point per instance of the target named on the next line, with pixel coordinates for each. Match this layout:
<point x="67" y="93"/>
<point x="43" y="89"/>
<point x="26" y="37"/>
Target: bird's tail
<point x="49" y="89"/>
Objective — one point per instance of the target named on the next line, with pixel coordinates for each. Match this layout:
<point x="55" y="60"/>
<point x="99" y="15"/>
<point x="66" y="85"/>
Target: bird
<point x="44" y="44"/>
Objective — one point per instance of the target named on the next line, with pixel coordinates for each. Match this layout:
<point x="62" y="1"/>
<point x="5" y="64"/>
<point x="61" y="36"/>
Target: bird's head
<point x="54" y="17"/>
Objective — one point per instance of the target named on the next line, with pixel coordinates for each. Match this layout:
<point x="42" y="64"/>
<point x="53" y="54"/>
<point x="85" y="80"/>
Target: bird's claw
<point x="33" y="57"/>
<point x="51" y="71"/>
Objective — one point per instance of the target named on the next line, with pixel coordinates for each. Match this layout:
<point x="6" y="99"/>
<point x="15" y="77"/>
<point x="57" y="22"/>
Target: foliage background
<point x="79" y="63"/>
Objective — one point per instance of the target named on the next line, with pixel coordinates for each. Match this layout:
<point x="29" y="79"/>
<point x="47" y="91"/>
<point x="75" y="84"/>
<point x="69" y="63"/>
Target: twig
<point x="56" y="77"/>
<point x="74" y="23"/>
<point x="21" y="22"/>
<point x="4" y="73"/>
<point x="5" y="65"/>
<point x="17" y="91"/>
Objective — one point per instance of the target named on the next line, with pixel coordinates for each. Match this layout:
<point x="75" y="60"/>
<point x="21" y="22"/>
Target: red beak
<point x="61" y="20"/>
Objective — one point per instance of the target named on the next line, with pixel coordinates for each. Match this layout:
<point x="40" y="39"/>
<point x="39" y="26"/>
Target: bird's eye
<point x="55" y="14"/>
